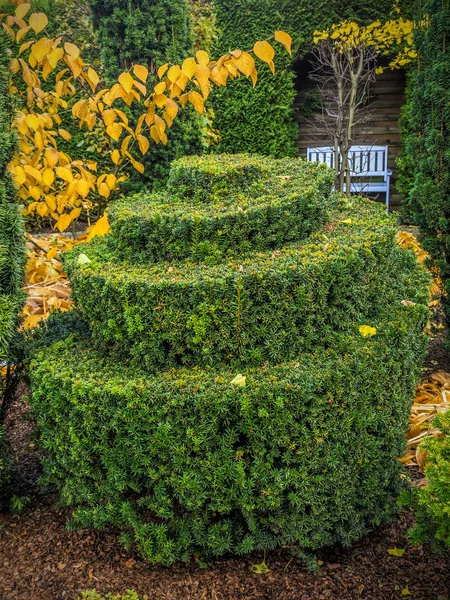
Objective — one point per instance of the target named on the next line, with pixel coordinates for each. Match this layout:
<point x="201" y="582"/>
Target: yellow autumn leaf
<point x="72" y="50"/>
<point x="38" y="22"/>
<point x="264" y="51"/>
<point x="367" y="331"/>
<point x="141" y="72"/>
<point x="64" y="173"/>
<point x="33" y="172"/>
<point x="144" y="144"/>
<point x="188" y="67"/>
<point x="115" y="157"/>
<point x="162" y="70"/>
<point x="93" y="76"/>
<point x="52" y="157"/>
<point x="114" y="131"/>
<point x="111" y="181"/>
<point x="41" y="48"/>
<point x="63" y="222"/>
<point x="48" y="176"/>
<point x="83" y="187"/>
<point x="239" y="380"/>
<point x="22" y="10"/>
<point x="32" y="121"/>
<point x="197" y="101"/>
<point x="126" y="81"/>
<point x="104" y="190"/>
<point x="396" y="551"/>
<point x="202" y="58"/>
<point x="64" y="134"/>
<point x="284" y="38"/>
<point x="100" y="228"/>
<point x="52" y="253"/>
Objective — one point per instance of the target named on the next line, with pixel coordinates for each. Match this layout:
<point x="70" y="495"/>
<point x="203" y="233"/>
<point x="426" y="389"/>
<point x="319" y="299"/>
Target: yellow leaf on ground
<point x="396" y="551"/>
<point x="52" y="253"/>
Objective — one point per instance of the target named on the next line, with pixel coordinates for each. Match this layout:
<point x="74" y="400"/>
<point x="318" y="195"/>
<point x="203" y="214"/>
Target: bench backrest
<point x="364" y="161"/>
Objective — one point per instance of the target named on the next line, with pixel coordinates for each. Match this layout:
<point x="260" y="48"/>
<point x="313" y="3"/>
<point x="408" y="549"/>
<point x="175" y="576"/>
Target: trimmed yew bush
<point x="234" y="405"/>
<point x="432" y="503"/>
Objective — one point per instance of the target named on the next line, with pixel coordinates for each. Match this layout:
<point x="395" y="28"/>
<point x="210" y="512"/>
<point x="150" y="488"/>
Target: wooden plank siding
<point x="388" y="96"/>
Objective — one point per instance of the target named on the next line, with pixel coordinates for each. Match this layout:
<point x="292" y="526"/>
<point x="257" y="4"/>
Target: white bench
<point x="364" y="162"/>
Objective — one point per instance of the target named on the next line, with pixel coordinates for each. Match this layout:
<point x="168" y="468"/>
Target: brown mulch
<point x="41" y="560"/>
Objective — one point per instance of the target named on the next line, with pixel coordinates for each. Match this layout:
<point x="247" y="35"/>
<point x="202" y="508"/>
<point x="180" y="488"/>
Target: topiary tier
<point x="226" y="400"/>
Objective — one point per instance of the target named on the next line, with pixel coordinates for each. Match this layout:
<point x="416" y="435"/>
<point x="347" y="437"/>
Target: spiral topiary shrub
<point x="227" y="401"/>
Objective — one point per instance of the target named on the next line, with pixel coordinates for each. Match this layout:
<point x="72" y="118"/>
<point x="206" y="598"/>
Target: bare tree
<point x="344" y="75"/>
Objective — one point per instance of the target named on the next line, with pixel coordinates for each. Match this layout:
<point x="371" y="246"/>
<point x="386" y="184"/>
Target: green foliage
<point x="11" y="233"/>
<point x="426" y="144"/>
<point x="186" y="463"/>
<point x="262" y="120"/>
<point x="151" y="33"/>
<point x="222" y="206"/>
<point x="274" y="422"/>
<point x="12" y="251"/>
<point x="224" y="302"/>
<point x="432" y="503"/>
<point x="203" y="16"/>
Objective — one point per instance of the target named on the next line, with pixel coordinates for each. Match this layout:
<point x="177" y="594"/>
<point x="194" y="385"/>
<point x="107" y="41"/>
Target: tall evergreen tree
<point x="11" y="233"/>
<point x="427" y="143"/>
<point x="149" y="32"/>
<point x="11" y="249"/>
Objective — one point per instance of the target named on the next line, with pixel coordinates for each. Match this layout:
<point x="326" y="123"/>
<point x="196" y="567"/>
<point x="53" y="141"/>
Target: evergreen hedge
<point x="190" y="460"/>
<point x="11" y="246"/>
<point x="426" y="161"/>
<point x="254" y="204"/>
<point x="152" y="33"/>
<point x="262" y="119"/>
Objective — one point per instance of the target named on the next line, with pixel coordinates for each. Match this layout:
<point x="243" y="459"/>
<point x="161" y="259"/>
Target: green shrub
<point x="191" y="460"/>
<point x="425" y="166"/>
<point x="184" y="462"/>
<point x="432" y="503"/>
<point x="263" y="306"/>
<point x="11" y="232"/>
<point x="12" y="251"/>
<point x="240" y="204"/>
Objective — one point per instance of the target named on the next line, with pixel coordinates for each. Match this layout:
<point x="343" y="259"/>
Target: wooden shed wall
<point x="388" y="96"/>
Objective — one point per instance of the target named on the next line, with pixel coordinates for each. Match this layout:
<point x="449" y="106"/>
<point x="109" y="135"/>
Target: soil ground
<point x="41" y="560"/>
